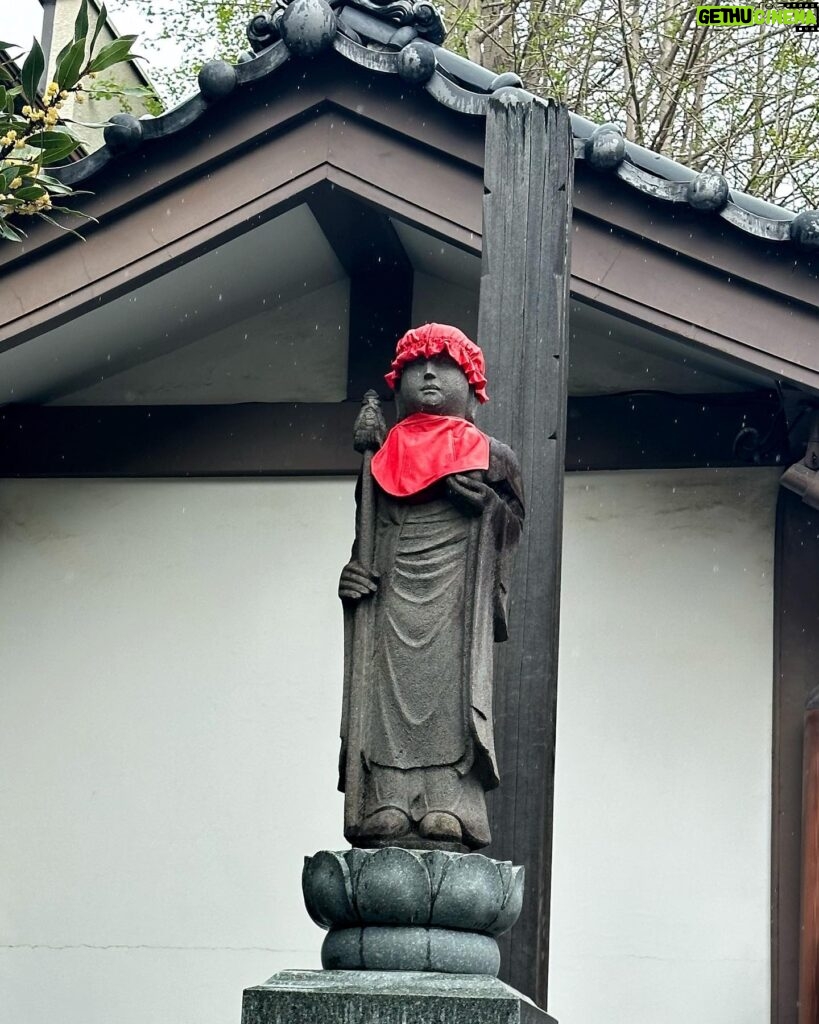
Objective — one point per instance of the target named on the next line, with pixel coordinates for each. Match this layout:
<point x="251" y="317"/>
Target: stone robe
<point x="426" y="719"/>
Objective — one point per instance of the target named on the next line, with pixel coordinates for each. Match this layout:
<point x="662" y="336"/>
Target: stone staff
<point x="369" y="431"/>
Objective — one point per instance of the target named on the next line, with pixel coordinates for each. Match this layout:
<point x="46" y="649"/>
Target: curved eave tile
<point x="462" y="86"/>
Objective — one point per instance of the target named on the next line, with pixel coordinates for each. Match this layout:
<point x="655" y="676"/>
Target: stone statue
<point x="439" y="514"/>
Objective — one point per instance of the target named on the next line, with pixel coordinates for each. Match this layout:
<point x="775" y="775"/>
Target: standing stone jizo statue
<point x="439" y="514"/>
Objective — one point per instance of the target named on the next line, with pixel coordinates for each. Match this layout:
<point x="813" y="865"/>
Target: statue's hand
<point x="356" y="582"/>
<point x="470" y="493"/>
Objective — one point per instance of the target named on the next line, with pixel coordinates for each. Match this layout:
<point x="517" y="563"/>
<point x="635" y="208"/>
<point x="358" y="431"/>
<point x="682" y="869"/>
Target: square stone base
<point x="387" y="997"/>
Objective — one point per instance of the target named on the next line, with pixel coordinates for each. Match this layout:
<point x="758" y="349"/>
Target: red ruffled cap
<point x="433" y="339"/>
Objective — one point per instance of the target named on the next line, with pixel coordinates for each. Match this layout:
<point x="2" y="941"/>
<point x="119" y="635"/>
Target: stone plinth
<point x="387" y="997"/>
<point x="411" y="910"/>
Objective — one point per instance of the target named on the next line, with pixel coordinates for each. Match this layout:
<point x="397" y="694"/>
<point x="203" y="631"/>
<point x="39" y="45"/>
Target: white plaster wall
<point x="170" y="675"/>
<point x="169" y="699"/>
<point x="662" y="804"/>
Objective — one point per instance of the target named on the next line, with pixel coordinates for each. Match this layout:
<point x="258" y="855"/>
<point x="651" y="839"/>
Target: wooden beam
<point x="523" y="328"/>
<point x="649" y="431"/>
<point x="381" y="279"/>
<point x="295" y="439"/>
<point x="656" y="430"/>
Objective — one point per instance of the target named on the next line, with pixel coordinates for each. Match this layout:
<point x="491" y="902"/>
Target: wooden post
<point x="796" y="655"/>
<point x="523" y="332"/>
<point x="809" y="934"/>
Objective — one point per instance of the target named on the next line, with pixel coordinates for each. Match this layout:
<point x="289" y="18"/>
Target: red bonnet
<point x="433" y="339"/>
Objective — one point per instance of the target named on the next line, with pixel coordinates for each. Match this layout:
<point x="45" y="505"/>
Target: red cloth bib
<point x="424" y="448"/>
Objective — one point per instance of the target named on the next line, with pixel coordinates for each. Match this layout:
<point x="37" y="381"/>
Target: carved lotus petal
<point x="393" y="887"/>
<point x="470" y="894"/>
<point x="513" y="898"/>
<point x="414" y="888"/>
<point x="328" y="890"/>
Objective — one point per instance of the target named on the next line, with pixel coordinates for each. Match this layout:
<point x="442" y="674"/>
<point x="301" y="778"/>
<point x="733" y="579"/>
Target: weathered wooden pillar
<point x="809" y="931"/>
<point x="523" y="332"/>
<point x="796" y="656"/>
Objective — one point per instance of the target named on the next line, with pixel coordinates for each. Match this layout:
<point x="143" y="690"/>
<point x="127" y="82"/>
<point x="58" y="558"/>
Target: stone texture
<point x="372" y="997"/>
<point x="411" y="910"/>
<point x="442" y="950"/>
<point x="393" y="886"/>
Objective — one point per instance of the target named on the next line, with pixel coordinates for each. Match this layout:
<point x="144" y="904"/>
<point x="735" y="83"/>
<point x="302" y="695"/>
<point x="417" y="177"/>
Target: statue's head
<point x="437" y="369"/>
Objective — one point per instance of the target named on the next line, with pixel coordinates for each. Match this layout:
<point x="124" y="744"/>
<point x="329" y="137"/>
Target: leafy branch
<point x="32" y="134"/>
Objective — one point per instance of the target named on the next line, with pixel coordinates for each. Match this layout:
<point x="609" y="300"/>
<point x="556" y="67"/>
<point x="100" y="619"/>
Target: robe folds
<point x="423" y="698"/>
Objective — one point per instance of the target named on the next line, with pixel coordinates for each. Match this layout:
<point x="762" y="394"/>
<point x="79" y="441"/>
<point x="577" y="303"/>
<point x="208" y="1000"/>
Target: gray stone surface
<point x="372" y="997"/>
<point x="411" y="910"/>
<point x="394" y="886"/>
<point x="410" y="949"/>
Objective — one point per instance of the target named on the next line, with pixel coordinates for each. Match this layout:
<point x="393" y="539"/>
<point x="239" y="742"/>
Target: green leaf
<point x="54" y="186"/>
<point x="63" y="52"/>
<point x="7" y="176"/>
<point x="8" y="232"/>
<point x="3" y="97"/>
<point x="81" y="24"/>
<point x="29" y="192"/>
<point x="62" y="227"/>
<point x="102" y="17"/>
<point x="85" y="124"/>
<point x="68" y="69"/>
<point x="32" y="72"/>
<point x="54" y="145"/>
<point x="77" y="213"/>
<point x="113" y="53"/>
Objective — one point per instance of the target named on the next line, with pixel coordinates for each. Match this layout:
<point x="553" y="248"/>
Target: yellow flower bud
<point x="16" y="183"/>
<point x="27" y="111"/>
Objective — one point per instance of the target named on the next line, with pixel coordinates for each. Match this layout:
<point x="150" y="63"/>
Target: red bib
<point x="424" y="448"/>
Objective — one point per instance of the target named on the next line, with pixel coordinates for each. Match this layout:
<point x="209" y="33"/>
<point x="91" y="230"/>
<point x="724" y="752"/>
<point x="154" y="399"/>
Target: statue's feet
<point x="441" y="827"/>
<point x="387" y="824"/>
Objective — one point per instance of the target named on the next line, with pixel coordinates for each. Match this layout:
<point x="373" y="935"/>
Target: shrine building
<point x="176" y="503"/>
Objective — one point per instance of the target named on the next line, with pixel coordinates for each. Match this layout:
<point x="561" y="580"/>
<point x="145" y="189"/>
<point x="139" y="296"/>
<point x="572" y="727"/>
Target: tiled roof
<point x="403" y="39"/>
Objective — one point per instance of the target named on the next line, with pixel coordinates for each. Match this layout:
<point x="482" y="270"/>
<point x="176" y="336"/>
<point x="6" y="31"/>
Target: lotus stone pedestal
<point x="411" y="939"/>
<point x="411" y="910"/>
<point x="387" y="997"/>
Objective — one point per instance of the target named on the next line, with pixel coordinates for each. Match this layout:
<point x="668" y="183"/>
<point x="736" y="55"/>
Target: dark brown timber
<point x="796" y="657"/>
<point x="809" y="933"/>
<point x="381" y="279"/>
<point x="646" y="431"/>
<point x="523" y="332"/>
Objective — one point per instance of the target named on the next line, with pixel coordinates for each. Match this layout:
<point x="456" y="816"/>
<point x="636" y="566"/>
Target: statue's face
<point x="435" y="384"/>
